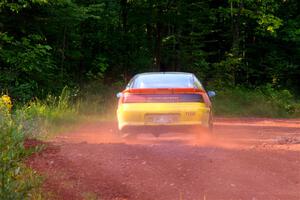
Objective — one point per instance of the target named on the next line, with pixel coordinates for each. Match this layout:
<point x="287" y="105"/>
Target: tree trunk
<point x="149" y="30"/>
<point x="63" y="53"/>
<point x="157" y="49"/>
<point x="236" y="40"/>
<point x="124" y="20"/>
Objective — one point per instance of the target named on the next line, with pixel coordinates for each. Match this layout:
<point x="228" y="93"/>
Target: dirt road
<point x="251" y="159"/>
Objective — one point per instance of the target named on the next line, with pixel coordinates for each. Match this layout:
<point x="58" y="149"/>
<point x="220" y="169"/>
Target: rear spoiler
<point x="163" y="90"/>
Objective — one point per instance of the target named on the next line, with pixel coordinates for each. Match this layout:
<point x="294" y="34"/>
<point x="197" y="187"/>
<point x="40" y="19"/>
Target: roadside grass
<point x="39" y="120"/>
<point x="16" y="180"/>
<point x="259" y="102"/>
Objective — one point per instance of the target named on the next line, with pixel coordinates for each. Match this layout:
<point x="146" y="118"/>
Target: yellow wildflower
<point x="6" y="101"/>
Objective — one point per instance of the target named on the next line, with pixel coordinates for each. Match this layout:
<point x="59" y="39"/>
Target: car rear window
<point x="163" y="81"/>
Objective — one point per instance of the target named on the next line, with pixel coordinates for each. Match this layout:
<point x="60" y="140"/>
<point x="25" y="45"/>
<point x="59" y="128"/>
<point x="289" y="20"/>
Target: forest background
<point x="246" y="50"/>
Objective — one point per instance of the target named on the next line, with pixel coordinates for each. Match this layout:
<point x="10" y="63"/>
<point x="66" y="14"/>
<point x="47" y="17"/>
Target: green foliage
<point x="97" y="98"/>
<point x="16" y="180"/>
<point x="261" y="102"/>
<point x="23" y="75"/>
<point x="39" y="118"/>
<point x="226" y="71"/>
<point x="34" y="120"/>
<point x="47" y="44"/>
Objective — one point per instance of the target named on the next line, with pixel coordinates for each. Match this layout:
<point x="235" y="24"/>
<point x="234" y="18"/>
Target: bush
<point x="259" y="102"/>
<point x="39" y="118"/>
<point x="16" y="180"/>
<point x="98" y="98"/>
<point x="33" y="120"/>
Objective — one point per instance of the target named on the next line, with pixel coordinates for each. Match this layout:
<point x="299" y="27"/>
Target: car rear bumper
<point x="163" y="129"/>
<point x="186" y="114"/>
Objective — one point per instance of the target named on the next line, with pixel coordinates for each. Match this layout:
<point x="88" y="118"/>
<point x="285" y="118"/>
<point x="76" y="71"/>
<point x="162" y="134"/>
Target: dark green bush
<point x="261" y="102"/>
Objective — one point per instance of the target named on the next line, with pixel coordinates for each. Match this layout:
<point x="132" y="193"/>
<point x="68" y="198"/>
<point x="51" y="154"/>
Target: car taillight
<point x="161" y="98"/>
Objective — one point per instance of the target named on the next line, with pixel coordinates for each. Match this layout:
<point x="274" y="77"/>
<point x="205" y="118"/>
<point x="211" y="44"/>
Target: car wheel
<point x="127" y="135"/>
<point x="208" y="128"/>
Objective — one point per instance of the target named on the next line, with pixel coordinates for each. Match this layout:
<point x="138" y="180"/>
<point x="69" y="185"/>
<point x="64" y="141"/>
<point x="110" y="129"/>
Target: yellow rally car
<point x="164" y="100"/>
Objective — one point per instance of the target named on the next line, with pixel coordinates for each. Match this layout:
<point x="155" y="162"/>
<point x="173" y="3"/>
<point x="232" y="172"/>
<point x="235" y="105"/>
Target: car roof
<point x="162" y="73"/>
<point x="148" y="80"/>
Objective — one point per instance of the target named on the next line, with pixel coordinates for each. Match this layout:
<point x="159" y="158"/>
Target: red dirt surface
<point x="251" y="159"/>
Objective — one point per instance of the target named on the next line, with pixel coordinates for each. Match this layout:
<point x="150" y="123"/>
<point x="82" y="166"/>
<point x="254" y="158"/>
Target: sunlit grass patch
<point x="39" y="118"/>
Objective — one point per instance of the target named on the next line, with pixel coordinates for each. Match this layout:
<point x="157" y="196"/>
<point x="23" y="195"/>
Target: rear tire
<point x="206" y="129"/>
<point x="127" y="135"/>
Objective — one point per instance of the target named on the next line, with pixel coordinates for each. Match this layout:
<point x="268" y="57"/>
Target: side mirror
<point x="211" y="94"/>
<point x="119" y="94"/>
